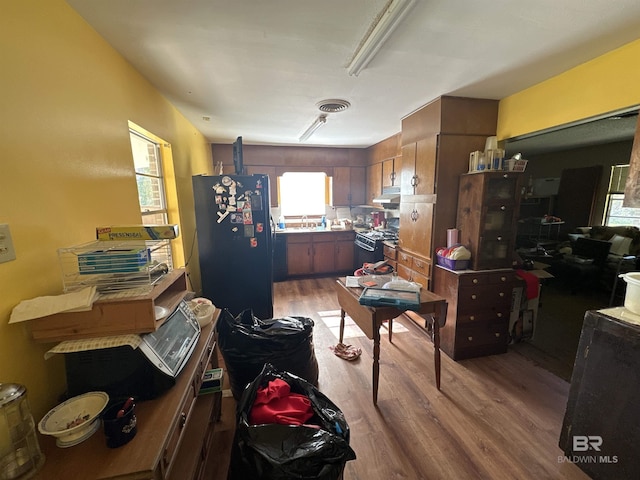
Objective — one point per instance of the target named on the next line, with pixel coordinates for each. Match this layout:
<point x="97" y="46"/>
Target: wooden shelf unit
<point x="121" y="316"/>
<point x="174" y="435"/>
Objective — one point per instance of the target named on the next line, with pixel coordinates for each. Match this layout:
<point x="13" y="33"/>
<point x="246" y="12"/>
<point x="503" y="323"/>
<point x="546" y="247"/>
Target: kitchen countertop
<point x="311" y="230"/>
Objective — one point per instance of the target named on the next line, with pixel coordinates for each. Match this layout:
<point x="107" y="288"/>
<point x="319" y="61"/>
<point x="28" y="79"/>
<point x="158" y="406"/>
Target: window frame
<point x="159" y="178"/>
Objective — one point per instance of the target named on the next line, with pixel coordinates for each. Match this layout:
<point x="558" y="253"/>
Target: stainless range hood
<point x="390" y="195"/>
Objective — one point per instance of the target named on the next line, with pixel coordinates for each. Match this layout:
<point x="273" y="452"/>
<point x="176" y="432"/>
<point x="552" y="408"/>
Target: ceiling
<point x="617" y="127"/>
<point x="257" y="69"/>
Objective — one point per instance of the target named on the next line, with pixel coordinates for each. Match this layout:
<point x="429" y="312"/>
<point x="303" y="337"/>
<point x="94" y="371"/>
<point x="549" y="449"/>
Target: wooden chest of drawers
<point x="478" y="314"/>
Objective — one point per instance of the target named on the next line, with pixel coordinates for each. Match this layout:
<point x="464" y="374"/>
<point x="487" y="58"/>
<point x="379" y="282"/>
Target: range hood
<point x="390" y="195"/>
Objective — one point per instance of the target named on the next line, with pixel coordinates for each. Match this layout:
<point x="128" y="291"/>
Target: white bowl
<point x="74" y="420"/>
<point x="203" y="309"/>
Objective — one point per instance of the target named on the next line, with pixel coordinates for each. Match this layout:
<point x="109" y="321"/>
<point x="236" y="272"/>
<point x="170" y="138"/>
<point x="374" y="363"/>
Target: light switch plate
<point x="7" y="252"/>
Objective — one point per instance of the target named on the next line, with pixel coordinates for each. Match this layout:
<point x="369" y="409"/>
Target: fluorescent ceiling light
<point x="378" y="33"/>
<point x="318" y="122"/>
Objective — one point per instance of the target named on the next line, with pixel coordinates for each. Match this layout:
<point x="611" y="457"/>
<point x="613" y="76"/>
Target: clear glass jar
<point x="20" y="455"/>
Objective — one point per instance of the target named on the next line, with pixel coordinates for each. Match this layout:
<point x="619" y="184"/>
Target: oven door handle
<point x="364" y="246"/>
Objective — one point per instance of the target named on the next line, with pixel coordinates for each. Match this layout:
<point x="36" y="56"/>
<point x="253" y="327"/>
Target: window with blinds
<point x="615" y="213"/>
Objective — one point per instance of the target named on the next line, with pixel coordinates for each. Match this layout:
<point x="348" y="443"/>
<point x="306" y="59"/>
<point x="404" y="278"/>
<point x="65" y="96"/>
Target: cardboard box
<point x="113" y="261"/>
<point x="137" y="232"/>
<point x="212" y="381"/>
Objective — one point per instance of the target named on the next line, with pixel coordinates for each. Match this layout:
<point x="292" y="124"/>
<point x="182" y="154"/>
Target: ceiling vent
<point x="333" y="105"/>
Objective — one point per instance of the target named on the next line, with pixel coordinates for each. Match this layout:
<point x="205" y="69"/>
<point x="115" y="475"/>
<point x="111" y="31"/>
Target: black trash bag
<point x="247" y="343"/>
<point x="279" y="452"/>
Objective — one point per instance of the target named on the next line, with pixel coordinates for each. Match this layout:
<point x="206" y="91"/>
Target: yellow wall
<point x="605" y="84"/>
<point x="67" y="97"/>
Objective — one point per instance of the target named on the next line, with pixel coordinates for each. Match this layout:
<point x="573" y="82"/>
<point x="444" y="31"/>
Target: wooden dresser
<point x="478" y="313"/>
<point x="173" y="439"/>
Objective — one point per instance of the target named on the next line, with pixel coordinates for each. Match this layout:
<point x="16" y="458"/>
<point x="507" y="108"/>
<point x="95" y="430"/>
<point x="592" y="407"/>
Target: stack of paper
<point x="38" y="307"/>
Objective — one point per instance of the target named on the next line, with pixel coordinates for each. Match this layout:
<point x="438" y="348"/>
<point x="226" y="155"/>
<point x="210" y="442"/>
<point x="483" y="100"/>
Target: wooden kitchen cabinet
<point x="374" y="182"/>
<point x="174" y="434"/>
<point x="345" y="252"/>
<point x="488" y="206"/>
<point x="414" y="268"/>
<point x="391" y="172"/>
<point x="479" y="305"/>
<point x="299" y="254"/>
<point x="418" y="166"/>
<point x="390" y="253"/>
<point x="348" y="186"/>
<point x="273" y="180"/>
<point x="436" y="142"/>
<point x="322" y="252"/>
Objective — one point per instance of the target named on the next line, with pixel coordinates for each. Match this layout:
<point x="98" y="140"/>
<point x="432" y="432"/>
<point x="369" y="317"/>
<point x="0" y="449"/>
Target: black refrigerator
<point x="235" y="242"/>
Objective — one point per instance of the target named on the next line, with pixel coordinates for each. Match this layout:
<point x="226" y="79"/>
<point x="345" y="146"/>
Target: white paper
<point x="352" y="281"/>
<point x="38" y="307"/>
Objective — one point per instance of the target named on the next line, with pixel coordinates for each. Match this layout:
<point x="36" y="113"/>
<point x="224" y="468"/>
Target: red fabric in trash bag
<point x="533" y="283"/>
<point x="276" y="404"/>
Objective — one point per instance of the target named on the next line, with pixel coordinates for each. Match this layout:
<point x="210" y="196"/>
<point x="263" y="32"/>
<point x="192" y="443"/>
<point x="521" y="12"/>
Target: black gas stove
<point x="372" y="239"/>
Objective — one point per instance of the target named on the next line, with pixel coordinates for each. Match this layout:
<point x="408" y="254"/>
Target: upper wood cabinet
<point x="391" y="172"/>
<point x="374" y="182"/>
<point x="273" y="180"/>
<point x="384" y="160"/>
<point x="418" y="167"/>
<point x="348" y="186"/>
<point x="436" y="142"/>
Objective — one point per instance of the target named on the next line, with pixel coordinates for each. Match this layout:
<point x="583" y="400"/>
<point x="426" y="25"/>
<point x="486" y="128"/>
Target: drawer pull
<point x="472" y="318"/>
<point x="497" y="335"/>
<point x="499" y="315"/>
<point x="503" y="208"/>
<point x="183" y="419"/>
<point x="470" y="339"/>
<point x="503" y="279"/>
<point x="501" y="294"/>
<point x="474" y="297"/>
<point x="475" y="280"/>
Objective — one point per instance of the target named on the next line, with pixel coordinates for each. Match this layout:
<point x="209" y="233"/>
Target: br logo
<point x="583" y="443"/>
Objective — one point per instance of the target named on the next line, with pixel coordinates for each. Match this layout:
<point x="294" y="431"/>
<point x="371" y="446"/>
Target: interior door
<point x="576" y="197"/>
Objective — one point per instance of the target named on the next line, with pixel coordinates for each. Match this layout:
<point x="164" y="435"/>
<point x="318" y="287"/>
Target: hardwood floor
<point x="496" y="417"/>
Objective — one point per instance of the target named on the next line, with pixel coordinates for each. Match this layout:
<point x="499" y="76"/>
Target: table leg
<point x="436" y="351"/>
<point x="436" y="340"/>
<point x="390" y="325"/>
<point x="341" y="324"/>
<point x="376" y="363"/>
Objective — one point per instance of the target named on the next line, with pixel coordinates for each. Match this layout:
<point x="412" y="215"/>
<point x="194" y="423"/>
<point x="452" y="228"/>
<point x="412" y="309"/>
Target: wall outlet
<point x="7" y="252"/>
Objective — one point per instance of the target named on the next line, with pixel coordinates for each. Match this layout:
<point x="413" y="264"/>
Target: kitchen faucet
<point x="304" y="221"/>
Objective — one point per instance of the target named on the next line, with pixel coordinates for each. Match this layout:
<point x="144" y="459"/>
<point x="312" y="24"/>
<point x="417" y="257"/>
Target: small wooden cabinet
<point x="322" y="252"/>
<point x="488" y="205"/>
<point x="479" y="305"/>
<point x="114" y="316"/>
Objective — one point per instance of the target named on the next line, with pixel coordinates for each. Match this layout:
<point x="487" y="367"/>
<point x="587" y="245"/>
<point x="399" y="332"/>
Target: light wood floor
<point x="496" y="417"/>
